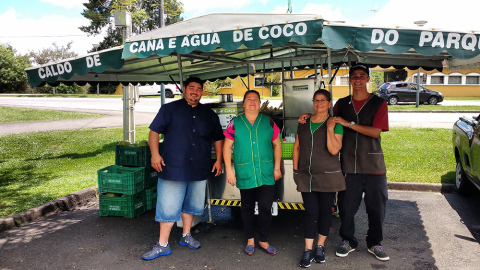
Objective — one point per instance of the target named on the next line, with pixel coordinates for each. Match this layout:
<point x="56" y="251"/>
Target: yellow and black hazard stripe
<point x="288" y="206"/>
<point x="226" y="202"/>
<point x="291" y="206"/>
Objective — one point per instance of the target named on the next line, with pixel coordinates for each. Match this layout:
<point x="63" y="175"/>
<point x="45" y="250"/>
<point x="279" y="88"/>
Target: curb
<point x="425" y="187"/>
<point x="65" y="203"/>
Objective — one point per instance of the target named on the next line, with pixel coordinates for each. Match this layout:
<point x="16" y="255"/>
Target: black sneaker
<point x="319" y="254"/>
<point x="344" y="249"/>
<point x="379" y="253"/>
<point x="307" y="258"/>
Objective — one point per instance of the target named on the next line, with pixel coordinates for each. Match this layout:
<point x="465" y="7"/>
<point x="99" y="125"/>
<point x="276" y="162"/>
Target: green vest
<point x="253" y="152"/>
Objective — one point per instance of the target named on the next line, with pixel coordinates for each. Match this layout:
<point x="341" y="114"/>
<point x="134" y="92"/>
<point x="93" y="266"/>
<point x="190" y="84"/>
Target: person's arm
<point x="277" y="156"/>
<point x="365" y="130"/>
<point x="157" y="160"/>
<point x="218" y="151"/>
<point x="303" y="118"/>
<point x="296" y="153"/>
<point x="227" y="157"/>
<point x="334" y="141"/>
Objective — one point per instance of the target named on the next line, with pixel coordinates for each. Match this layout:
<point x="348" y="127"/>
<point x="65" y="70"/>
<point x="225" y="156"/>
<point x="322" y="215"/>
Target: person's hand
<point x="331" y="123"/>
<point x="157" y="162"/>
<point x="342" y="121"/>
<point x="303" y="118"/>
<point x="231" y="178"/>
<point x="277" y="174"/>
<point x="217" y="166"/>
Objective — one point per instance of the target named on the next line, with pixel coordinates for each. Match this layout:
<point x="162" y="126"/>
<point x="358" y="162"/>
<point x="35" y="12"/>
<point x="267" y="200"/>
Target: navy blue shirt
<point x="188" y="133"/>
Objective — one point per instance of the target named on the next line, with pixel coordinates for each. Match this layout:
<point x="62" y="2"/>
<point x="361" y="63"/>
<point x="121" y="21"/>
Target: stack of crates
<point x="129" y="187"/>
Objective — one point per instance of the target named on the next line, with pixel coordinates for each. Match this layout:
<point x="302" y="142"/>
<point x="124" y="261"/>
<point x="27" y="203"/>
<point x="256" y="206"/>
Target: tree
<point x="277" y="78"/>
<point x="13" y="78"/>
<point x="54" y="53"/>
<point x="51" y="54"/>
<point x="212" y="88"/>
<point x="144" y="13"/>
<point x="377" y="79"/>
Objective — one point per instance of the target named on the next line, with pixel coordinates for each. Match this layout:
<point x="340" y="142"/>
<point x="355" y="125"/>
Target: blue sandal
<point x="269" y="250"/>
<point x="250" y="250"/>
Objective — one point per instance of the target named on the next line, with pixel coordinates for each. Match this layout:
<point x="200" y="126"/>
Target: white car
<point x="154" y="90"/>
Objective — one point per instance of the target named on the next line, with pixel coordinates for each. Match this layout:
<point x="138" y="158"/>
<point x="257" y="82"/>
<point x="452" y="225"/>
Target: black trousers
<point x="264" y="196"/>
<point x="318" y="213"/>
<point x="376" y="197"/>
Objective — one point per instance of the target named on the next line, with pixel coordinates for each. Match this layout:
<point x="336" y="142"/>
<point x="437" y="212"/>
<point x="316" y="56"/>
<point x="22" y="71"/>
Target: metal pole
<point x="248" y="76"/>
<point x="125" y="113"/>
<point x="271" y="85"/>
<point x="329" y="59"/>
<point x="291" y="70"/>
<point x="161" y="21"/>
<point x="180" y="72"/>
<point x="418" y="88"/>
<point x="98" y="89"/>
<point x="349" y="85"/>
<point x="162" y="93"/>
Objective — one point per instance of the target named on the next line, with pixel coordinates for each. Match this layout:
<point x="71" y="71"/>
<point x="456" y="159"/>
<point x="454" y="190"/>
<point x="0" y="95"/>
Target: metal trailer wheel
<point x="393" y="100"/>
<point x="432" y="100"/>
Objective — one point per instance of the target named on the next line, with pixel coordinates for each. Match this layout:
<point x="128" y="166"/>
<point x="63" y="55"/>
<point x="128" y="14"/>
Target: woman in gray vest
<point x="317" y="173"/>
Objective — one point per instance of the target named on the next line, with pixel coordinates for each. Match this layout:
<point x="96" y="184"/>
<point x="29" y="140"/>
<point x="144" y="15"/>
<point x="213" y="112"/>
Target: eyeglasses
<point x="320" y="101"/>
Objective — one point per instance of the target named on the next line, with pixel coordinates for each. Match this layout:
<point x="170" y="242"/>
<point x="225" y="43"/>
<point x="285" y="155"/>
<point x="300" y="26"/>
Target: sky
<point x="31" y="25"/>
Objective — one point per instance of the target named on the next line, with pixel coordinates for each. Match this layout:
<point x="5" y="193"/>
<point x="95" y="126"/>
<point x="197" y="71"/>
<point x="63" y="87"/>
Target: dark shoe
<point x="189" y="241"/>
<point x="319" y="254"/>
<point x="250" y="250"/>
<point x="344" y="249"/>
<point x="157" y="251"/>
<point x="379" y="253"/>
<point x="269" y="250"/>
<point x="307" y="258"/>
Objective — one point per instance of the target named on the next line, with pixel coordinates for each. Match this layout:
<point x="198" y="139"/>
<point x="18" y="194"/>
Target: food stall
<point x="217" y="46"/>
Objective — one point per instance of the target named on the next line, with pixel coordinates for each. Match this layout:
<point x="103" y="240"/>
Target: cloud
<point x="198" y="8"/>
<point x="461" y="15"/>
<point x="280" y="9"/>
<point x="31" y="34"/>
<point x="325" y="10"/>
<point x="70" y="4"/>
<point x="263" y="1"/>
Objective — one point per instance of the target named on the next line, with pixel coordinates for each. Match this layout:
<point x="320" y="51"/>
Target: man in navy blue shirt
<point x="183" y="166"/>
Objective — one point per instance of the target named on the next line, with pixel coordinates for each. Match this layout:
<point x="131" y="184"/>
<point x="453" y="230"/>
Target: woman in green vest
<point x="257" y="153"/>
<point x="317" y="173"/>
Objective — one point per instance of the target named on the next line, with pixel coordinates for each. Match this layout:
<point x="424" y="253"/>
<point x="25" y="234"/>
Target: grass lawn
<point x="432" y="108"/>
<point x="17" y="115"/>
<point x="462" y="98"/>
<point x="423" y="155"/>
<point x="38" y="167"/>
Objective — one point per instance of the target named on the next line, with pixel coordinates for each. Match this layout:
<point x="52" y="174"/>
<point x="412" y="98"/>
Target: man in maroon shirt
<point x="365" y="115"/>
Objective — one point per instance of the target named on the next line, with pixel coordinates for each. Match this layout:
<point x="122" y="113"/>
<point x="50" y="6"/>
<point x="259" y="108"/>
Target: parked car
<point x="154" y="90"/>
<point x="466" y="146"/>
<point x="394" y="92"/>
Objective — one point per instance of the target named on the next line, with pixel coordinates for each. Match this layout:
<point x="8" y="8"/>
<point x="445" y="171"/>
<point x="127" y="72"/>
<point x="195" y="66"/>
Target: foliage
<point x="377" y="79"/>
<point x="144" y="13"/>
<point x="103" y="89"/>
<point x="212" y="88"/>
<point x="52" y="54"/>
<point x="62" y="89"/>
<point x="13" y="78"/>
<point x="277" y="78"/>
<point x="17" y="115"/>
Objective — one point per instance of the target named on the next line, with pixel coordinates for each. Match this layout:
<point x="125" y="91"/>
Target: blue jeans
<point x="175" y="197"/>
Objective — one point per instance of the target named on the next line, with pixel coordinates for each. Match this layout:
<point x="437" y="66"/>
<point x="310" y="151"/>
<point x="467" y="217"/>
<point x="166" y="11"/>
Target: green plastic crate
<point x="151" y="178"/>
<point x="133" y="156"/>
<point x="124" y="180"/>
<point x="151" y="198"/>
<point x="287" y="150"/>
<point x="127" y="206"/>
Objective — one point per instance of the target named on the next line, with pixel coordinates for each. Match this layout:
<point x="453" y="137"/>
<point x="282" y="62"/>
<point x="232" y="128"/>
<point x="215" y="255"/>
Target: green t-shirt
<point x="338" y="128"/>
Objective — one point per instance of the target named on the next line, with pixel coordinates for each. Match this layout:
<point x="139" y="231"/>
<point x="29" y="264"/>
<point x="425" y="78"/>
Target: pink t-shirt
<point x="230" y="131"/>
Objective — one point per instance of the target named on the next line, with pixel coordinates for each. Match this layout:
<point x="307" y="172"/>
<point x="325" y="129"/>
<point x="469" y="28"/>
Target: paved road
<point x="146" y="109"/>
<point x="422" y="231"/>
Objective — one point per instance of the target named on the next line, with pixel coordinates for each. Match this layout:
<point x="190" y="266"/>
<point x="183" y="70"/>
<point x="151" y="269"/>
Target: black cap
<point x="359" y="67"/>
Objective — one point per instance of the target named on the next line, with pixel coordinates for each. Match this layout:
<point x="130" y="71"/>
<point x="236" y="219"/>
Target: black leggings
<point x="264" y="196"/>
<point x="318" y="213"/>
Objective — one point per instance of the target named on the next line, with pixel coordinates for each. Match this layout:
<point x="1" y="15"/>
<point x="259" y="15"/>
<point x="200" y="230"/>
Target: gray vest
<point x="318" y="170"/>
<point x="360" y="153"/>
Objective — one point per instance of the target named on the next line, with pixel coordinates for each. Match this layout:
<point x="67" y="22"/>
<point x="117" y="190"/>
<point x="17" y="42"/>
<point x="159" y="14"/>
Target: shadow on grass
<point x="448" y="178"/>
<point x="105" y="148"/>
